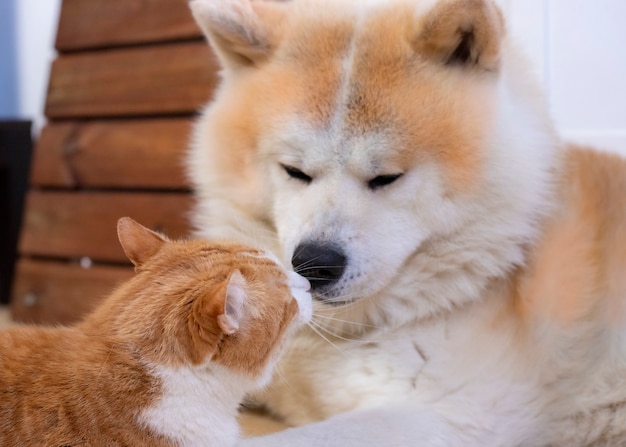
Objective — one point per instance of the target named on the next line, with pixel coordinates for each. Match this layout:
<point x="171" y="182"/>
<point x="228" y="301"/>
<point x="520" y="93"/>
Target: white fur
<point x="300" y="291"/>
<point x="198" y="407"/>
<point x="427" y="353"/>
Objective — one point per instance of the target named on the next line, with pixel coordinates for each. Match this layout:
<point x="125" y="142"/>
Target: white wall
<point x="578" y="49"/>
<point x="36" y="22"/>
<point x="587" y="72"/>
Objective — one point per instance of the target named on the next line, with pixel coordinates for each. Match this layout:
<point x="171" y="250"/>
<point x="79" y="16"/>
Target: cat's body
<point x="164" y="361"/>
<point x="49" y="379"/>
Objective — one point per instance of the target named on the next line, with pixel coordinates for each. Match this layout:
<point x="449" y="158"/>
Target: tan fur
<point x="86" y="385"/>
<point x="576" y="272"/>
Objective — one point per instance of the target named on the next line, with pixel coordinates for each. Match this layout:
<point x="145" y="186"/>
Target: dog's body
<point x="470" y="269"/>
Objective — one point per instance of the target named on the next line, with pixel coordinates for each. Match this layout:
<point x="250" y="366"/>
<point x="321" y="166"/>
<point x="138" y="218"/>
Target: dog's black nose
<point x="321" y="264"/>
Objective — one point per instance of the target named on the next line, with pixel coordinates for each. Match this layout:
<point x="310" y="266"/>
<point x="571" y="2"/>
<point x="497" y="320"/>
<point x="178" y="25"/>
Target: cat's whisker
<point x="279" y="374"/>
<point x="351" y="340"/>
<point x="344" y="338"/>
<point x="258" y="236"/>
<point x="106" y="361"/>
<point x="317" y="329"/>
<point x="306" y="268"/>
<point x="347" y="321"/>
<point x="347" y="300"/>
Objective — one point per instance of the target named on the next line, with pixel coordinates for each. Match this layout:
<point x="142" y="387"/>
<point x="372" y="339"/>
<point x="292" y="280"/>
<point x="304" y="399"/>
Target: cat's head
<point x="199" y="302"/>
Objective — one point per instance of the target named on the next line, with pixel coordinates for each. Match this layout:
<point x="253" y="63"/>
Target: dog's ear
<point x="465" y="33"/>
<point x="242" y="32"/>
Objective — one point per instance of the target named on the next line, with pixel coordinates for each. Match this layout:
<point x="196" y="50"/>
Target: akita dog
<point x="469" y="268"/>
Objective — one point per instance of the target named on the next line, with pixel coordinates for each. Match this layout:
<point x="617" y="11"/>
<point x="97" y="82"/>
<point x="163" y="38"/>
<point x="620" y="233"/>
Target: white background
<point x="578" y="48"/>
<point x="35" y="30"/>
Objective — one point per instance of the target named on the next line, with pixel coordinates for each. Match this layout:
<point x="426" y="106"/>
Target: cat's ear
<point x="234" y="302"/>
<point x="462" y="33"/>
<point x="242" y="32"/>
<point x="138" y="242"/>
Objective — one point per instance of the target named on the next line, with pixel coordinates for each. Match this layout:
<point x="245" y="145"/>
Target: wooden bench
<point x="122" y="94"/>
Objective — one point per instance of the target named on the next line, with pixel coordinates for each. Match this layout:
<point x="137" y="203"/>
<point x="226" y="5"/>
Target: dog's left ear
<point x="466" y="33"/>
<point x="242" y="32"/>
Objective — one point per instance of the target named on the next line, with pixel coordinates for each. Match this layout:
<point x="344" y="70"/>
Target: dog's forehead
<point x="353" y="89"/>
<point x="346" y="62"/>
<point x="339" y="74"/>
<point x="305" y="144"/>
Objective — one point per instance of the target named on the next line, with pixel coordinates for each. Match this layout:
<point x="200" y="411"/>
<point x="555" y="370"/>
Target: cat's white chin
<point x="300" y="287"/>
<point x="298" y="281"/>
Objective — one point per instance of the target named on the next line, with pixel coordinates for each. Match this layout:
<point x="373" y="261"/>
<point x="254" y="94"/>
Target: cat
<point x="164" y="360"/>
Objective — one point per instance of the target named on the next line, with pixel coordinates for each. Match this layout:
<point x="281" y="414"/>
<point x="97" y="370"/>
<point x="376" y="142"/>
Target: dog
<point x="468" y="266"/>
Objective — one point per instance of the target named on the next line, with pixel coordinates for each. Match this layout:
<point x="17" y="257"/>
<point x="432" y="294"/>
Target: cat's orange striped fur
<point x="166" y="358"/>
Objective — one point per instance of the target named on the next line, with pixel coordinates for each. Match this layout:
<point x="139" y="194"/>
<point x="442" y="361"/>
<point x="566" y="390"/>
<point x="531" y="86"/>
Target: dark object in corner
<point x="15" y="156"/>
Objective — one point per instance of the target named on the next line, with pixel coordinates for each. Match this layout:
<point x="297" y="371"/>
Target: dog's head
<point x="368" y="133"/>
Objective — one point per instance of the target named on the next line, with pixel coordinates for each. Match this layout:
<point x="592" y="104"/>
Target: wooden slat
<point x="151" y="80"/>
<point x="112" y="154"/>
<point x="54" y="292"/>
<point x="83" y="224"/>
<point x="96" y="23"/>
<point x="48" y="166"/>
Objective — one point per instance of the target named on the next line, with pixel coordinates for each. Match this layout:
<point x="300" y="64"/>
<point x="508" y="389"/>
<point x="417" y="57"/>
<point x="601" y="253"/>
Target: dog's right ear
<point x="464" y="33"/>
<point x="242" y="32"/>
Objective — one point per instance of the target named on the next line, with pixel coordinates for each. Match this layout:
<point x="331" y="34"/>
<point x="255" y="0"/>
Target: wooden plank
<point x="48" y="166"/>
<point x="151" y="80"/>
<point x="96" y="23"/>
<point x="112" y="154"/>
<point x="47" y="292"/>
<point x="83" y="224"/>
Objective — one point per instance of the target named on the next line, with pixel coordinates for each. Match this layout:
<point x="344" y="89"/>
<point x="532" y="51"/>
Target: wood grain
<point x="87" y="24"/>
<point x="78" y="224"/>
<point x="150" y="80"/>
<point x="48" y="166"/>
<point x="48" y="292"/>
<point x="146" y="154"/>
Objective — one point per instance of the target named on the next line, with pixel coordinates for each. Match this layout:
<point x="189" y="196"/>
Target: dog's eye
<point x="297" y="174"/>
<point x="382" y="180"/>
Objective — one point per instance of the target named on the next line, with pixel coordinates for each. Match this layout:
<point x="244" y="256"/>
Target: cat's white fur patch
<point x="198" y="406"/>
<point x="300" y="287"/>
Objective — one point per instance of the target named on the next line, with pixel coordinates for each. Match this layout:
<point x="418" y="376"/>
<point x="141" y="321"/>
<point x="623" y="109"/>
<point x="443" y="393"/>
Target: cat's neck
<point x="199" y="405"/>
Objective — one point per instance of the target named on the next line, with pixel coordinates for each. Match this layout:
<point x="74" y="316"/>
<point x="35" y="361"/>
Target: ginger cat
<point x="164" y="361"/>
